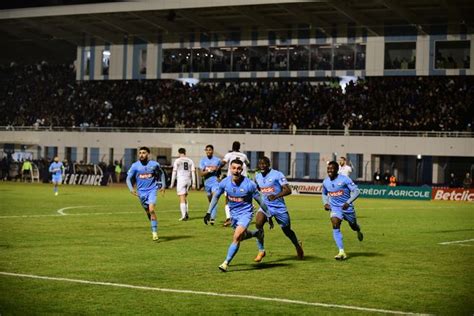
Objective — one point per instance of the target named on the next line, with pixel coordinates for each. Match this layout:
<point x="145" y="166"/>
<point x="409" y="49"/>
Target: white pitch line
<point x="61" y="210"/>
<point x="455" y="242"/>
<point x="250" y="297"/>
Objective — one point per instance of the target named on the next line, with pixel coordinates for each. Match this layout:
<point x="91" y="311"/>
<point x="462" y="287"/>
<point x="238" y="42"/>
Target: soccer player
<point x="235" y="154"/>
<point x="274" y="186"/>
<point x="185" y="172"/>
<point x="209" y="169"/>
<point x="57" y="169"/>
<point x="338" y="194"/>
<point x="144" y="173"/>
<point x="240" y="192"/>
<point x="344" y="168"/>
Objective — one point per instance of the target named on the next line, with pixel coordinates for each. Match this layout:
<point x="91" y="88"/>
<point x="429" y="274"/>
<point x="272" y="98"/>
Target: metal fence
<point x="319" y="132"/>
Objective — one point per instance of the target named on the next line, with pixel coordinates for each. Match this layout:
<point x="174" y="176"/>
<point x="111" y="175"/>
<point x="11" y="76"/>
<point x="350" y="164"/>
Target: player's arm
<point x="355" y="192"/>
<point x="258" y="198"/>
<point x="213" y="203"/>
<point x="285" y="189"/>
<point x="173" y="174"/>
<point x="50" y="168"/>
<point x="203" y="172"/>
<point x="327" y="207"/>
<point x="130" y="175"/>
<point x="163" y="178"/>
<point x="193" y="175"/>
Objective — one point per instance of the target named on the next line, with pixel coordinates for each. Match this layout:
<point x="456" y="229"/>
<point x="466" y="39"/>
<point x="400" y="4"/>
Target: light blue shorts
<point x="348" y="215"/>
<point x="242" y="220"/>
<point x="280" y="214"/>
<point x="57" y="179"/>
<point x="147" y="198"/>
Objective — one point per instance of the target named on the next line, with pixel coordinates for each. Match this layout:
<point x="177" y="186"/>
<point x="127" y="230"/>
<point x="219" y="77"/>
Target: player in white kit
<point x="235" y="154"/>
<point x="344" y="168"/>
<point x="185" y="174"/>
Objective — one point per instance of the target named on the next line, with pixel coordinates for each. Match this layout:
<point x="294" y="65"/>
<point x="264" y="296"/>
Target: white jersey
<point x="345" y="170"/>
<point x="233" y="155"/>
<point x="184" y="168"/>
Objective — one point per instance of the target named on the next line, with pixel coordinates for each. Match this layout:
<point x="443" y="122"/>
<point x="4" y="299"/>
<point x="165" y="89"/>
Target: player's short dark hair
<point x="266" y="159"/>
<point x="210" y="146"/>
<point x="343" y="158"/>
<point x="236" y="146"/>
<point x="334" y="164"/>
<point x="182" y="151"/>
<point x="237" y="161"/>
<point x="145" y="149"/>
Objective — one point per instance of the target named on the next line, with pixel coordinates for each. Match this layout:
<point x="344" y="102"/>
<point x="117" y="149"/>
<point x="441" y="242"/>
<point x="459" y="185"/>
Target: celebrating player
<point x="57" y="169"/>
<point x="145" y="173"/>
<point x="274" y="186"/>
<point x="209" y="169"/>
<point x="185" y="172"/>
<point x="235" y="154"/>
<point x="338" y="194"/>
<point x="240" y="192"/>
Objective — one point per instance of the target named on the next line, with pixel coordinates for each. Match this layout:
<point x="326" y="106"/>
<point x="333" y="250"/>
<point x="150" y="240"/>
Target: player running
<point x="144" y="173"/>
<point x="57" y="169"/>
<point x="185" y="172"/>
<point x="209" y="168"/>
<point x="274" y="186"/>
<point x="235" y="154"/>
<point x="338" y="194"/>
<point x="240" y="192"/>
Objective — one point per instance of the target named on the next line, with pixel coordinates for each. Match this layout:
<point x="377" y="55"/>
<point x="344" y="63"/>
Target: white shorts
<point x="182" y="186"/>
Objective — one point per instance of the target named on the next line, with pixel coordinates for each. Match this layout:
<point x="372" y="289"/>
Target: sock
<point x="186" y="208"/>
<point x="214" y="212"/>
<point x="154" y="225"/>
<point x="338" y="238"/>
<point x="260" y="239"/>
<point x="227" y="211"/>
<point x="291" y="235"/>
<point x="233" y="248"/>
<point x="55" y="189"/>
<point x="182" y="206"/>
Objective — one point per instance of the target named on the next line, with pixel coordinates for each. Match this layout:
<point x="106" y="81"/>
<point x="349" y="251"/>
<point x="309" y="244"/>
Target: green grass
<point x="399" y="266"/>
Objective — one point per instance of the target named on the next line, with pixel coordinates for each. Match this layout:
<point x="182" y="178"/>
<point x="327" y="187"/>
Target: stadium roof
<point x="73" y="25"/>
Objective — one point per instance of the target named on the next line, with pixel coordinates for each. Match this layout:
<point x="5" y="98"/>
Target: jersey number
<point x="185" y="166"/>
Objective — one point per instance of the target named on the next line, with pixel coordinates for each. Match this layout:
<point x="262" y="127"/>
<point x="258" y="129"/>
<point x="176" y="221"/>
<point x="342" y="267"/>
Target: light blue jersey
<point x="56" y="168"/>
<point x="212" y="165"/>
<point x="272" y="184"/>
<point x="337" y="192"/>
<point x="146" y="176"/>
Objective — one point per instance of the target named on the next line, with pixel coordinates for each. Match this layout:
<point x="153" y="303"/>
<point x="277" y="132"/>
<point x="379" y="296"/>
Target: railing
<point x="320" y="132"/>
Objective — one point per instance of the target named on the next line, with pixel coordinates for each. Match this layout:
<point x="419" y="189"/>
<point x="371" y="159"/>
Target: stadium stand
<point x="48" y="95"/>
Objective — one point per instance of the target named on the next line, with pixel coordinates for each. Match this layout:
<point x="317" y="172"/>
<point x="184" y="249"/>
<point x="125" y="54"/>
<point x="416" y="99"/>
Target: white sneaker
<point x="155" y="236"/>
<point x="56" y="193"/>
<point x="341" y="255"/>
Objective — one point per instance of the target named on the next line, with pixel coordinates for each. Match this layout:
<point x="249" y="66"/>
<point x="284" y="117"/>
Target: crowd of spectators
<point x="48" y="95"/>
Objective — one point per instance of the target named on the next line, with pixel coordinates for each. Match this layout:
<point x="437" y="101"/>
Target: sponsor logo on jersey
<point x="235" y="198"/>
<point x="145" y="175"/>
<point x="268" y="190"/>
<point x="336" y="193"/>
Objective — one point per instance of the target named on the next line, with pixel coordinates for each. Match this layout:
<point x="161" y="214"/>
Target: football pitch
<point x="89" y="251"/>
